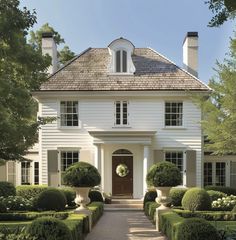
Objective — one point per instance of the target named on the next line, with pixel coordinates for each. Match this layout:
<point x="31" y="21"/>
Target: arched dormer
<point x="121" y="51"/>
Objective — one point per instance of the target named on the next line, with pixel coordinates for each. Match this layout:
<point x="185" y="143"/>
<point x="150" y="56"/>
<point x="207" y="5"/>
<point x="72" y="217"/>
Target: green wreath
<point x="122" y="170"/>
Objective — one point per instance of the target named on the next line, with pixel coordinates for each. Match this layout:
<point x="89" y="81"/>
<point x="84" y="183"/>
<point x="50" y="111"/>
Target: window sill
<point x="120" y="74"/>
<point x="174" y="128"/>
<point x="121" y="127"/>
<point x="69" y="127"/>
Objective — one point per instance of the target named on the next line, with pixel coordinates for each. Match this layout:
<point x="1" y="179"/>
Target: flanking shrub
<point x="50" y="199"/>
<point x="227" y="190"/>
<point x="70" y="195"/>
<point x="17" y="203"/>
<point x="7" y="233"/>
<point x="196" y="199"/>
<point x="150" y="196"/>
<point x="30" y="191"/>
<point x="215" y="195"/>
<point x="176" y="195"/>
<point x="95" y="196"/>
<point x="48" y="228"/>
<point x="224" y="203"/>
<point x="3" y="208"/>
<point x="196" y="229"/>
<point x="150" y="210"/>
<point x="97" y="210"/>
<point x="7" y="189"/>
<point x="76" y="227"/>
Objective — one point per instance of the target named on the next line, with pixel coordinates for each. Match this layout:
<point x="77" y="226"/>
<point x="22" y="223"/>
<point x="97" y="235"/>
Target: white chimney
<point x="190" y="53"/>
<point x="49" y="47"/>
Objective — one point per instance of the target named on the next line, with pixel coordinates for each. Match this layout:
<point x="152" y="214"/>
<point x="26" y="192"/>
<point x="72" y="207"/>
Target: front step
<point x="124" y="205"/>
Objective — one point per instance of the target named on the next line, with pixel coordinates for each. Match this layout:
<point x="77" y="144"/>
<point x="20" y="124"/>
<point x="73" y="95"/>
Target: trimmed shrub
<point x="196" y="199"/>
<point x="17" y="203"/>
<point x="50" y="199"/>
<point x="224" y="204"/>
<point x="150" y="210"/>
<point x="197" y="229"/>
<point x="30" y="191"/>
<point x="227" y="190"/>
<point x="82" y="174"/>
<point x="97" y="210"/>
<point x="215" y="195"/>
<point x="95" y="196"/>
<point x="48" y="228"/>
<point x="163" y="174"/>
<point x="176" y="195"/>
<point x="3" y="208"/>
<point x="150" y="196"/>
<point x="7" y="189"/>
<point x="70" y="196"/>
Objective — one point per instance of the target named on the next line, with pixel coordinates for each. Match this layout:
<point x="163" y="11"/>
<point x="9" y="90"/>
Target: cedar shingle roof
<point x="90" y="72"/>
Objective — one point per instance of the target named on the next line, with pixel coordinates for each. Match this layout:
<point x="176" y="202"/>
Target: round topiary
<point x="150" y="196"/>
<point x="196" y="199"/>
<point x="3" y="208"/>
<point x="49" y="228"/>
<point x="215" y="195"/>
<point x="70" y="195"/>
<point x="176" y="195"/>
<point x="50" y="199"/>
<point x="95" y="196"/>
<point x="82" y="174"/>
<point x="7" y="189"/>
<point x="196" y="229"/>
<point x="164" y="174"/>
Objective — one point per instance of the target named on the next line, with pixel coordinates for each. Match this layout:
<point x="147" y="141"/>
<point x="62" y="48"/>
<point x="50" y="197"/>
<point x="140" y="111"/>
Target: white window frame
<point x="60" y="114"/>
<point x="182" y="114"/>
<point x="121" y="113"/>
<point x="35" y="174"/>
<point x="121" y="61"/>
<point x="27" y="174"/>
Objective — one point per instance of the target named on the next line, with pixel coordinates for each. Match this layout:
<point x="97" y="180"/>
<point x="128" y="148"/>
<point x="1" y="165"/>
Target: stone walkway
<point x="124" y="225"/>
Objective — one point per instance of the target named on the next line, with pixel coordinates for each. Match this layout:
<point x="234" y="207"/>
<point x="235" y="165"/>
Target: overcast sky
<point x="161" y="25"/>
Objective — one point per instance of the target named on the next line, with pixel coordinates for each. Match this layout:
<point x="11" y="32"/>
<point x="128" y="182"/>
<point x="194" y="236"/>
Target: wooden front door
<point x="122" y="176"/>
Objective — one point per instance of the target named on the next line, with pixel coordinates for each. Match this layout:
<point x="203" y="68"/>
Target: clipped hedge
<point x="150" y="196"/>
<point x="176" y="195"/>
<point x="215" y="195"/>
<point x="97" y="209"/>
<point x="69" y="194"/>
<point x="150" y="210"/>
<point x="95" y="196"/>
<point x="196" y="199"/>
<point x="7" y="189"/>
<point x="226" y="190"/>
<point x="30" y="191"/>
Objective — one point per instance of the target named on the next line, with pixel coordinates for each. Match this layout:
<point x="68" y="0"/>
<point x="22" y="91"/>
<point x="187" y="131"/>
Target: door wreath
<point x="122" y="170"/>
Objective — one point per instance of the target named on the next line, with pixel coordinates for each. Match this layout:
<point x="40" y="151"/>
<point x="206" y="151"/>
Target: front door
<point x="122" y="176"/>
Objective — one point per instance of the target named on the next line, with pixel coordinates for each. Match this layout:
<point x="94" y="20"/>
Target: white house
<point x="119" y="105"/>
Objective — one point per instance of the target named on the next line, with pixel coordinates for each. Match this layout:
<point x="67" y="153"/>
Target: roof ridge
<point x="183" y="70"/>
<point x="69" y="62"/>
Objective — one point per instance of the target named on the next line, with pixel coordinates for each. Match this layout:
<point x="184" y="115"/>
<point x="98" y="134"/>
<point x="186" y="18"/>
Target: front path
<point x="124" y="225"/>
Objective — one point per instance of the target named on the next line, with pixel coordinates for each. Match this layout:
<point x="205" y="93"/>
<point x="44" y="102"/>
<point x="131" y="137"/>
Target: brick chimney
<point x="49" y="47"/>
<point x="190" y="53"/>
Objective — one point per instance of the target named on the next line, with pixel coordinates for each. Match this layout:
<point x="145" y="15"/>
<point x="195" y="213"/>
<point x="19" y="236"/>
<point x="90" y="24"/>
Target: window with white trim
<point x="121" y="61"/>
<point x="208" y="174"/>
<point x="173" y="114"/>
<point x="68" y="158"/>
<point x="25" y="173"/>
<point x="69" y="113"/>
<point x="121" y="113"/>
<point x="220" y="174"/>
<point x="36" y="173"/>
<point x="215" y="173"/>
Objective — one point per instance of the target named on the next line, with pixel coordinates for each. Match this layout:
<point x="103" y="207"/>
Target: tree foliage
<point x="22" y="69"/>
<point x="223" y="10"/>
<point x="219" y="110"/>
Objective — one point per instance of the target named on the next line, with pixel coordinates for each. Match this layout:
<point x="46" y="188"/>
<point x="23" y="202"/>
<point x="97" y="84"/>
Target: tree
<point x="22" y="70"/>
<point x="36" y="40"/>
<point x="223" y="10"/>
<point x="219" y="110"/>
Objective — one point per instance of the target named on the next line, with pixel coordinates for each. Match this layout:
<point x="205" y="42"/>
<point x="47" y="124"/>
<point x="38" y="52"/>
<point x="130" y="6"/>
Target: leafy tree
<point x="219" y="109"/>
<point x="36" y="40"/>
<point x="223" y="10"/>
<point x="22" y="70"/>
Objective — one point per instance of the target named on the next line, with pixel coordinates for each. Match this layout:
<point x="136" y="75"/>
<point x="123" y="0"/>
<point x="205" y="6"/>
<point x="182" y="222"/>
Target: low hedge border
<point x="210" y="216"/>
<point x="150" y="210"/>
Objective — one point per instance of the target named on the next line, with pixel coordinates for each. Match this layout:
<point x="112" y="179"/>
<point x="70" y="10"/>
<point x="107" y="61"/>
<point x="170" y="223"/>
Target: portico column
<point x="146" y="156"/>
<point x="99" y="162"/>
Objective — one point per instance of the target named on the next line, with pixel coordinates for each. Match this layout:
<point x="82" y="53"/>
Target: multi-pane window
<point x="208" y="174"/>
<point x="69" y="113"/>
<point x="232" y="174"/>
<point x="68" y="158"/>
<point x="175" y="158"/>
<point x="25" y="173"/>
<point x="173" y="114"/>
<point x="121" y="113"/>
<point x="121" y="61"/>
<point x="220" y="173"/>
<point x="11" y="171"/>
<point x="36" y="173"/>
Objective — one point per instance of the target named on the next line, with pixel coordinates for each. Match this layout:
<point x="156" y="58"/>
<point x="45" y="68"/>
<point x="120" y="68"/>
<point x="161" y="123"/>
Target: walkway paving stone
<point x="124" y="225"/>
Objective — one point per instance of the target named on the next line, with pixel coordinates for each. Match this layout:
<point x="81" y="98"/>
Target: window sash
<point x="215" y="173"/>
<point x="121" y="61"/>
<point x="173" y="114"/>
<point x="36" y="173"/>
<point x="25" y="173"/>
<point x="69" y="113"/>
<point x="121" y="113"/>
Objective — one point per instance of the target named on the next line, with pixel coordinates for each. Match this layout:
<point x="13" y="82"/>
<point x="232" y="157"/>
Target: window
<point x="36" y="173"/>
<point x="11" y="170"/>
<point x="175" y="158"/>
<point x="121" y="113"/>
<point x="121" y="61"/>
<point x="69" y="113"/>
<point x="173" y="114"/>
<point x="67" y="159"/>
<point x="25" y="173"/>
<point x="220" y="174"/>
<point x="208" y="174"/>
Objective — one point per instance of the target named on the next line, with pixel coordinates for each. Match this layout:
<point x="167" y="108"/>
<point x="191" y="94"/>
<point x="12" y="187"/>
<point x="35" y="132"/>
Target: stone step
<point x="127" y="201"/>
<point x="138" y="206"/>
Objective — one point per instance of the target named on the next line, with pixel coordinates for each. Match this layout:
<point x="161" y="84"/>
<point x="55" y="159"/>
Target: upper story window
<point x="121" y="61"/>
<point x="69" y="113"/>
<point x="121" y="113"/>
<point x="173" y="114"/>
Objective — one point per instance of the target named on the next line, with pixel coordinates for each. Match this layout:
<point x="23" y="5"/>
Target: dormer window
<point x="121" y="61"/>
<point x="121" y="51"/>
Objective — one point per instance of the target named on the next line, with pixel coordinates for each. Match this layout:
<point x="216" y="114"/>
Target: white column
<point x="146" y="156"/>
<point x="102" y="167"/>
<point x="97" y="159"/>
